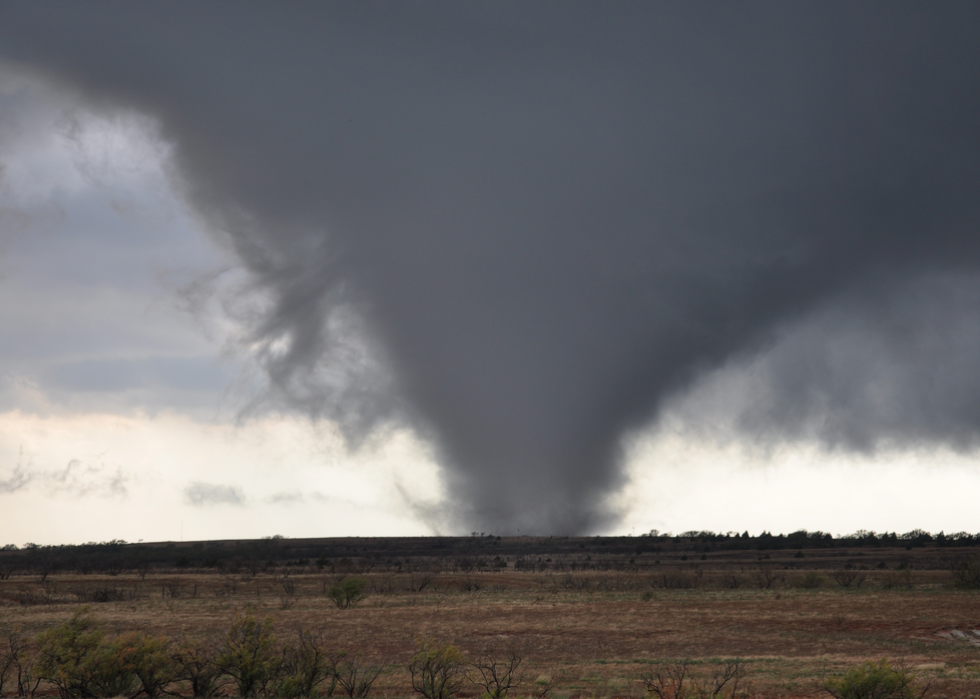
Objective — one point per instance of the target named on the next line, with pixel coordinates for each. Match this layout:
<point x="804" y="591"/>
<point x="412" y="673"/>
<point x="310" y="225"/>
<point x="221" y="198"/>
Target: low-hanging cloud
<point x="522" y="229"/>
<point x="895" y="373"/>
<point x="202" y="494"/>
<point x="80" y="478"/>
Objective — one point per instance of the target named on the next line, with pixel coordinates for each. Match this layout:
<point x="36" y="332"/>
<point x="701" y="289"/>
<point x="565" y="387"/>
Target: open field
<point x="593" y="632"/>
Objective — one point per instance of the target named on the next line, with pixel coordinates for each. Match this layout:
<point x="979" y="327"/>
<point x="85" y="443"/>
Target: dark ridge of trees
<point x="480" y="551"/>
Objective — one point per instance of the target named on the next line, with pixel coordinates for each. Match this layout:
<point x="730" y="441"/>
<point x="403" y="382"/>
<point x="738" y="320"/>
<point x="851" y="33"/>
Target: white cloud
<point x="678" y="483"/>
<point x="102" y="476"/>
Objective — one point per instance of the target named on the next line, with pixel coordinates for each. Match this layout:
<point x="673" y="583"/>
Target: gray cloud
<point x="862" y="373"/>
<point x="78" y="478"/>
<point x="522" y="229"/>
<point x="285" y="498"/>
<point x="205" y="494"/>
<point x="81" y="478"/>
<point x="19" y="478"/>
<point x="92" y="248"/>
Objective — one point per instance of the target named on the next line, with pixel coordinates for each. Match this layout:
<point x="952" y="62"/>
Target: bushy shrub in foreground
<point x="438" y="671"/>
<point x="248" y="654"/>
<point x="81" y="661"/>
<point x="876" y="680"/>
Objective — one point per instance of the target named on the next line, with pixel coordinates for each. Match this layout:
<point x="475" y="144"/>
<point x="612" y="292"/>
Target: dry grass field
<point x="583" y="633"/>
<point x="585" y="630"/>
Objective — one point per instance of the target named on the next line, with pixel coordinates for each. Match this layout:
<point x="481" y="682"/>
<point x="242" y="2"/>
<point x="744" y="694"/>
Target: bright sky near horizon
<point x="139" y="402"/>
<point x="123" y="415"/>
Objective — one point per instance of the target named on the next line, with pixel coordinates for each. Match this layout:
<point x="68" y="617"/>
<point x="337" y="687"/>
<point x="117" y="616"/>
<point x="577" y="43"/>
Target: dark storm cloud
<point x="861" y="373"/>
<point x="544" y="219"/>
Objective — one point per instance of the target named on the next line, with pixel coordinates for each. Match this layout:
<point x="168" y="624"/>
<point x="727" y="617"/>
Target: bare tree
<point x="355" y="676"/>
<point x="18" y="661"/>
<point x="722" y="682"/>
<point x="142" y="568"/>
<point x="765" y="576"/>
<point x="7" y="567"/>
<point x="665" y="680"/>
<point x="845" y="577"/>
<point x="675" y="681"/>
<point x="499" y="672"/>
<point x="417" y="583"/>
<point x="966" y="570"/>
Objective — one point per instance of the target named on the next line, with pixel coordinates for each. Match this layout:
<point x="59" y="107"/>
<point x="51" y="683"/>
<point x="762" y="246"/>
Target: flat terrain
<point x="588" y="632"/>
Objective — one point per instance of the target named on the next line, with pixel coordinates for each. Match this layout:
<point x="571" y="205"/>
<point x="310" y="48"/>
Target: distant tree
<point x="347" y="593"/>
<point x="966" y="570"/>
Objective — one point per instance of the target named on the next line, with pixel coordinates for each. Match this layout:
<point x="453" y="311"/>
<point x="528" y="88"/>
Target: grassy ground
<point x="593" y="635"/>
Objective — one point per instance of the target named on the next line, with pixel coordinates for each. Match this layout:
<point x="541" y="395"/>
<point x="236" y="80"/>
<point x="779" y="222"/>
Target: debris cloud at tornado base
<point x="526" y="231"/>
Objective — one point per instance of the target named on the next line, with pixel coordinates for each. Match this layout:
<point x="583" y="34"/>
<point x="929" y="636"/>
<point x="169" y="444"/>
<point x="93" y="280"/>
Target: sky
<point x="433" y="268"/>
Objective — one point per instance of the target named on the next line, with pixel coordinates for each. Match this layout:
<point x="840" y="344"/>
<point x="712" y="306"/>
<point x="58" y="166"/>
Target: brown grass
<point x="592" y="633"/>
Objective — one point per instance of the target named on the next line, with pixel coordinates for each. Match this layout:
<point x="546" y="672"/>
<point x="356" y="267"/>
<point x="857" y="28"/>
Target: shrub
<point x="347" y="593"/>
<point x="6" y="664"/>
<point x="497" y="672"/>
<point x="81" y="661"/>
<point x="354" y="676"/>
<point x="194" y="662"/>
<point x="151" y="661"/>
<point x="437" y="671"/>
<point x="66" y="655"/>
<point x="667" y="681"/>
<point x="897" y="579"/>
<point x="845" y="577"/>
<point x="304" y="666"/>
<point x="19" y="664"/>
<point x="810" y="581"/>
<point x="110" y="670"/>
<point x="880" y="680"/>
<point x="966" y="571"/>
<point x="248" y="654"/>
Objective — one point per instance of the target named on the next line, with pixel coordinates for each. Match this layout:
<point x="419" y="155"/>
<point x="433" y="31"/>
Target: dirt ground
<point x="583" y="635"/>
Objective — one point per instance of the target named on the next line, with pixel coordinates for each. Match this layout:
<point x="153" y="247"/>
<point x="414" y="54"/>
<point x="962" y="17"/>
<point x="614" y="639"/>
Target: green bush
<point x="304" y="666"/>
<point x="150" y="659"/>
<point x="248" y="654"/>
<point x="348" y="592"/>
<point x="67" y="655"/>
<point x="110" y="669"/>
<point x="78" y="658"/>
<point x="438" y="672"/>
<point x="194" y="663"/>
<point x="880" y="680"/>
<point x="81" y="661"/>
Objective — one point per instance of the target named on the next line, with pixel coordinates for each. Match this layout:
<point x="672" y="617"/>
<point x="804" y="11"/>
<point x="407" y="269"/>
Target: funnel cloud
<point x="527" y="230"/>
